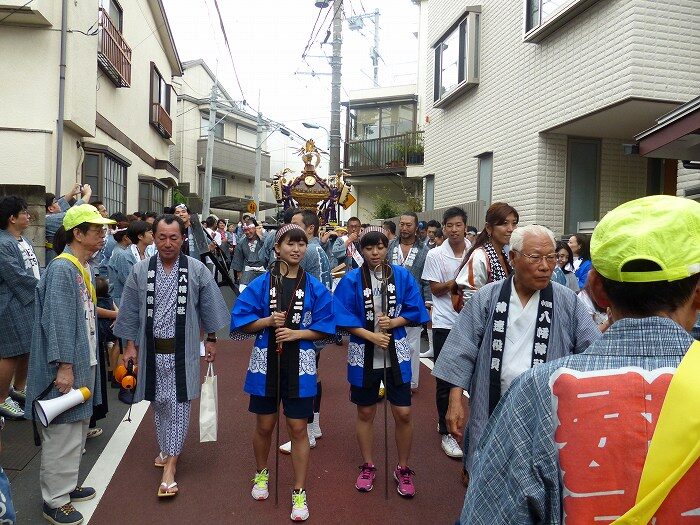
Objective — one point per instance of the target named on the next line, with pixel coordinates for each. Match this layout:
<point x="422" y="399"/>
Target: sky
<point x="267" y="38"/>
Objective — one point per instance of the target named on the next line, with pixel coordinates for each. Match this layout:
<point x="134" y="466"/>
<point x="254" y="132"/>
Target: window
<point x="218" y="128"/>
<point x="106" y="175"/>
<point x="246" y="136"/>
<point x="115" y="13"/>
<point x="151" y="197"/>
<point x="582" y="184"/>
<point x="160" y="104"/>
<point x="543" y="17"/>
<point x="218" y="185"/>
<point x="483" y="190"/>
<point x="384" y="121"/>
<point x="539" y="11"/>
<point x="457" y="58"/>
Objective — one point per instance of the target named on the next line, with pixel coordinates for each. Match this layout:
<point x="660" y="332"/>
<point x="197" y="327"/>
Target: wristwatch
<point x="211" y="339"/>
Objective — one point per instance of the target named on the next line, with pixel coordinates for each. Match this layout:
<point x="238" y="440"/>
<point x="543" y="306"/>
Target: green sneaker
<point x="260" y="482"/>
<point x="300" y="511"/>
<point x="11" y="409"/>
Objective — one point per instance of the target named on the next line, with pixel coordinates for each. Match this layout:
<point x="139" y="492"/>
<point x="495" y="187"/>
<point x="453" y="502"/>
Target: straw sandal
<point x="160" y="460"/>
<point x="166" y="491"/>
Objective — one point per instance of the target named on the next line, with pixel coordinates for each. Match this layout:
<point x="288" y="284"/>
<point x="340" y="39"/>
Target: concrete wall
<point x="29" y="92"/>
<point x="613" y="50"/>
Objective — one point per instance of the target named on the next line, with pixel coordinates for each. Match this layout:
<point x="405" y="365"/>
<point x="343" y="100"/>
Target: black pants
<point x="442" y="388"/>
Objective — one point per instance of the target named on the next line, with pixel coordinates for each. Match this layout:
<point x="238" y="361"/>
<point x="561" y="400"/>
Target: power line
<point x="309" y="40"/>
<point x="15" y="10"/>
<point x="230" y="54"/>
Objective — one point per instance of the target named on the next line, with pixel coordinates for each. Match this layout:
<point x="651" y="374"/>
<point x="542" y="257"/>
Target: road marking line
<point x="105" y="466"/>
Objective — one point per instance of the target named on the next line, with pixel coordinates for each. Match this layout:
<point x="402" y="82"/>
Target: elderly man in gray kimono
<point x="506" y="328"/>
<point x="168" y="300"/>
<point x="63" y="356"/>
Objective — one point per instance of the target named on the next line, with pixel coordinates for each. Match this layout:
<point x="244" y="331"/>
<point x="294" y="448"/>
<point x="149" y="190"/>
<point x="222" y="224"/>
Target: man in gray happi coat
<point x="408" y="251"/>
<point x="56" y="210"/>
<point x="506" y="328"/>
<point x="63" y="356"/>
<point x="167" y="300"/>
<point x="249" y="259"/>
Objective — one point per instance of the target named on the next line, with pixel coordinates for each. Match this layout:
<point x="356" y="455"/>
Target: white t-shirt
<point x="378" y="361"/>
<point x="441" y="266"/>
<point x="520" y="338"/>
<point x="90" y="322"/>
<point x="30" y="260"/>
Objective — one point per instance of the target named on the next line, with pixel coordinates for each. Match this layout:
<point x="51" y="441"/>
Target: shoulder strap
<point x="83" y="273"/>
<point x="675" y="445"/>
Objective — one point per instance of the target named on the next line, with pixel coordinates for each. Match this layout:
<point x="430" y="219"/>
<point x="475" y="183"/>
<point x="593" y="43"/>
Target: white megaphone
<point x="47" y="410"/>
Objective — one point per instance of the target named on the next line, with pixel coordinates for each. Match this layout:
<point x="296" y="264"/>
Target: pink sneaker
<point x="365" y="481"/>
<point x="404" y="477"/>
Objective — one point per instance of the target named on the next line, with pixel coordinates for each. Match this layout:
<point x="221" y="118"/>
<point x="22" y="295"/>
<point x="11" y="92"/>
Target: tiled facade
<point x="614" y="51"/>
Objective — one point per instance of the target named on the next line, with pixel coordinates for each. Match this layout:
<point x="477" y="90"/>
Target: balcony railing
<point x="161" y="120"/>
<point x="114" y="55"/>
<point x="385" y="153"/>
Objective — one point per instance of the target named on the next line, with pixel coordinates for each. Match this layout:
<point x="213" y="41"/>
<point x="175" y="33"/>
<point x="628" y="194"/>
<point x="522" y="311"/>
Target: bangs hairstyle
<point x="292" y="234"/>
<point x="374" y="238"/>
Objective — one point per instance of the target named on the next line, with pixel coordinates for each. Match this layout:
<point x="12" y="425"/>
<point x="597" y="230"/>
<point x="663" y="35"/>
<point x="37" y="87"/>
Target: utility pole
<point x="375" y="51"/>
<point x="61" y="96"/>
<point x="206" y="190"/>
<point x="258" y="160"/>
<point x="334" y="161"/>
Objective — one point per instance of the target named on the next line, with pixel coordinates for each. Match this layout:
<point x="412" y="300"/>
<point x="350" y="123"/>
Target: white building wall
<point x="608" y="53"/>
<point x="29" y="85"/>
<point x="129" y="108"/>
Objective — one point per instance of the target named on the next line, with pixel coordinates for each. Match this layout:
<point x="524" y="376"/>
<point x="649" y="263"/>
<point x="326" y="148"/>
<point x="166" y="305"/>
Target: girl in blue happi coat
<point x="357" y="305"/>
<point x="306" y="316"/>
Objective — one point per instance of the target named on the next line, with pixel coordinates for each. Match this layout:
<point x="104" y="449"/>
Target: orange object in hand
<point x="120" y="373"/>
<point x="129" y="382"/>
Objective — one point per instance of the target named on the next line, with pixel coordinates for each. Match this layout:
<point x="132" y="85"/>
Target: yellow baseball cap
<point x="84" y="213"/>
<point x="659" y="228"/>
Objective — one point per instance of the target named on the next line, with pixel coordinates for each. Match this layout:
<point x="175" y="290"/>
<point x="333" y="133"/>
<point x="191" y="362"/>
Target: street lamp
<point x="311" y="125"/>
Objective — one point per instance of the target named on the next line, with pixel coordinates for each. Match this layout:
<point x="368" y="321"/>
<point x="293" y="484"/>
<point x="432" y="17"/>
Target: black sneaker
<point x="64" y="515"/>
<point x="82" y="494"/>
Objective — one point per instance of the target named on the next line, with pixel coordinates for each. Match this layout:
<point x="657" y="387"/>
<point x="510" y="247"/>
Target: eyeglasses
<point x="550" y="258"/>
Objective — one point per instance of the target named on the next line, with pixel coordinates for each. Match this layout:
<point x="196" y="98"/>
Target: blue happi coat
<point x="317" y="314"/>
<point x="348" y="304"/>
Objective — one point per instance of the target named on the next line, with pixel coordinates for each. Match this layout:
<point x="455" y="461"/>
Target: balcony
<point x="233" y="158"/>
<point x="160" y="119"/>
<point x="385" y="154"/>
<point x="113" y="55"/>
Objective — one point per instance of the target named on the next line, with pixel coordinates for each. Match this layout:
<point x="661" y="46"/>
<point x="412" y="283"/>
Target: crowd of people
<point x="555" y="362"/>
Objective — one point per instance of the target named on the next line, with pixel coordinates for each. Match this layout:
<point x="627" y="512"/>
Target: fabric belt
<point x="165" y="346"/>
<point x="254" y="269"/>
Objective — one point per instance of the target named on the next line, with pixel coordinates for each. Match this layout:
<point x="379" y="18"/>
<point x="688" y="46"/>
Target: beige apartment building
<point x="117" y="126"/>
<point x="533" y="102"/>
<point x="235" y="136"/>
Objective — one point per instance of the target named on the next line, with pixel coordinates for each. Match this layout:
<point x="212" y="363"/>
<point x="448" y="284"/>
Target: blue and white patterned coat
<point x="317" y="315"/>
<point x="350" y="313"/>
<point x="17" y="285"/>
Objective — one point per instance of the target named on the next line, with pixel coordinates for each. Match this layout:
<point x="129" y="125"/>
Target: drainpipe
<point x="61" y="95"/>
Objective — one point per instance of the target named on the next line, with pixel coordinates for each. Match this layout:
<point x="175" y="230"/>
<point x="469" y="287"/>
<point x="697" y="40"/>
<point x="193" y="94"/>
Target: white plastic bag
<point x="208" y="407"/>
